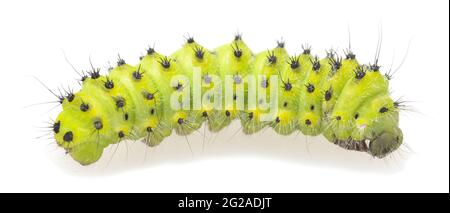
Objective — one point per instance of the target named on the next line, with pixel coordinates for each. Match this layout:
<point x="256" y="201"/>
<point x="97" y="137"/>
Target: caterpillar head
<point x="385" y="143"/>
<point x="378" y="146"/>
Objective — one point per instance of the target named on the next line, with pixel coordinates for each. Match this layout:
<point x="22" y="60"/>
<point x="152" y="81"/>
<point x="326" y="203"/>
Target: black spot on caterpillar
<point x="345" y="101"/>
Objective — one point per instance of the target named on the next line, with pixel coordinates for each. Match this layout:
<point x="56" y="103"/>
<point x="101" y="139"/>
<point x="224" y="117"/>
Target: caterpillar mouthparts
<point x="347" y="102"/>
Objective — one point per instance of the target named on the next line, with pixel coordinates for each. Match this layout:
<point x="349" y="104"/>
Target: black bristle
<point x="199" y="52"/>
<point x="383" y="109"/>
<point x="138" y="74"/>
<point x="109" y="84"/>
<point x="335" y="63"/>
<point x="237" y="79"/>
<point x="330" y="53"/>
<point x="120" y="102"/>
<point x="271" y="58"/>
<point x="237" y="51"/>
<point x="120" y="61"/>
<point x="310" y="88"/>
<point x="98" y="125"/>
<point x="70" y="96"/>
<point x="328" y="94"/>
<point x="204" y="114"/>
<point x="84" y="107"/>
<point x="308" y="122"/>
<point x="207" y="79"/>
<point x="56" y="127"/>
<point x="294" y="62"/>
<point x="374" y="67"/>
<point x="149" y="96"/>
<point x="280" y="43"/>
<point x="179" y="87"/>
<point x="121" y="134"/>
<point x="238" y="36"/>
<point x="306" y="49"/>
<point x="68" y="136"/>
<point x="287" y="86"/>
<point x="360" y="72"/>
<point x="165" y="62"/>
<point x="150" y="50"/>
<point x="315" y="64"/>
<point x="277" y="119"/>
<point x="190" y="39"/>
<point x="349" y="55"/>
<point x="94" y="74"/>
<point x="264" y="83"/>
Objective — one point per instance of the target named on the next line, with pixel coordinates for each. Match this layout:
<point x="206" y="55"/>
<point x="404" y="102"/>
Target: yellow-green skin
<point x="348" y="109"/>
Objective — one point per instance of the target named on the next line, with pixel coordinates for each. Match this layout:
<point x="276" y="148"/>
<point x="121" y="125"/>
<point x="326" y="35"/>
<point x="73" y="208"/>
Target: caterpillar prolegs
<point x="347" y="102"/>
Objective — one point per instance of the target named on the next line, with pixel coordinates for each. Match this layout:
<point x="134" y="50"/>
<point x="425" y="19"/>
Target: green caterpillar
<point x="347" y="102"/>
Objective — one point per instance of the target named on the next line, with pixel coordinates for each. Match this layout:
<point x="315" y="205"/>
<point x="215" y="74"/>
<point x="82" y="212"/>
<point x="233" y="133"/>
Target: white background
<point x="35" y="34"/>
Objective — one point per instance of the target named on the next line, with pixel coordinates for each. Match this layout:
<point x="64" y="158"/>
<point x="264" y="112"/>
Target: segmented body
<point x="347" y="102"/>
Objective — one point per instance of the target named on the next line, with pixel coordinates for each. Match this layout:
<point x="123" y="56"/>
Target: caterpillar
<point x="347" y="102"/>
